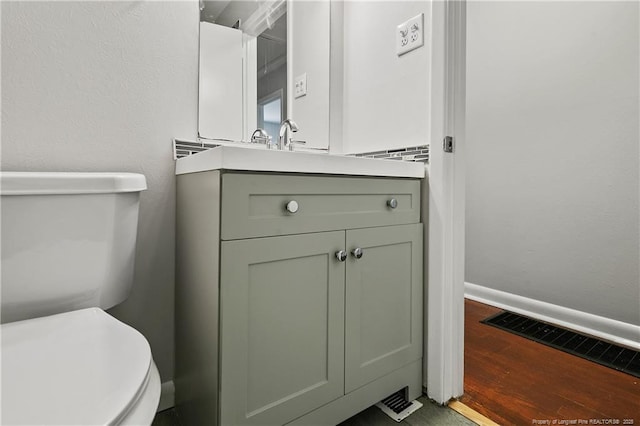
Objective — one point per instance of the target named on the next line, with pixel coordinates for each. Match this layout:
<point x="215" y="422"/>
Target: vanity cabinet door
<point x="282" y="327"/>
<point x="383" y="302"/>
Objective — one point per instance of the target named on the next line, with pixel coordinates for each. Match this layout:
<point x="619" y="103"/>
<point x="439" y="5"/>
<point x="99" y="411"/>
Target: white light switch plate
<point x="410" y="35"/>
<point x="300" y="88"/>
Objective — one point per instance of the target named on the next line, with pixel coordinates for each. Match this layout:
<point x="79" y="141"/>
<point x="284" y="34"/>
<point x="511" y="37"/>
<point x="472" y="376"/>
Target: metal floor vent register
<point x="604" y="353"/>
<point x="397" y="407"/>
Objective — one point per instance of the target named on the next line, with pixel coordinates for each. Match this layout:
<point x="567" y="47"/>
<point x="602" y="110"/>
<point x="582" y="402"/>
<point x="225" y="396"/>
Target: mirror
<point x="251" y="53"/>
<point x="243" y="68"/>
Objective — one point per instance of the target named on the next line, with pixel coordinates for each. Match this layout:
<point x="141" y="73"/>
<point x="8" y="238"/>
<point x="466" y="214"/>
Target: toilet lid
<point x="77" y="368"/>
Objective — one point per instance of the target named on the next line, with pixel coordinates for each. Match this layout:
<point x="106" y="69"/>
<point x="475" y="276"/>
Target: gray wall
<point x="553" y="161"/>
<point x="105" y="86"/>
<point x="386" y="96"/>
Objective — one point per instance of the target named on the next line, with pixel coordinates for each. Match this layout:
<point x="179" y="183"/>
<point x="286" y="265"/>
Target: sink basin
<point x="239" y="158"/>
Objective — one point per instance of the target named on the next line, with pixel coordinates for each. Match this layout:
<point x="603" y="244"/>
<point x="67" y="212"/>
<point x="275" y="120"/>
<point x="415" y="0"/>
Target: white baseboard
<point x="167" y="396"/>
<point x="604" y="328"/>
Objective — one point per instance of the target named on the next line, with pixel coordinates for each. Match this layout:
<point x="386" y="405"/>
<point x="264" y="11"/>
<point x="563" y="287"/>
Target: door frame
<point x="443" y="373"/>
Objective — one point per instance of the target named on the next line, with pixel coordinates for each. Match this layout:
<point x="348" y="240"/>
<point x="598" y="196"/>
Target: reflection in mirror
<point x="272" y="76"/>
<point x="270" y="112"/>
<point x="243" y="68"/>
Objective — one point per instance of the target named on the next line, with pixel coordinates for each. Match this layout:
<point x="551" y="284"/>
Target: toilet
<point x="68" y="249"/>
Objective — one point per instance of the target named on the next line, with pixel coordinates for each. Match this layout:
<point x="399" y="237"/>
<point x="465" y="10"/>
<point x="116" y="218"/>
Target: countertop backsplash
<point x="413" y="153"/>
<point x="183" y="148"/>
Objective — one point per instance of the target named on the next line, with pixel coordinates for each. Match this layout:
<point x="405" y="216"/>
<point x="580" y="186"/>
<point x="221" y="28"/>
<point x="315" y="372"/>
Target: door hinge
<point x="447" y="144"/>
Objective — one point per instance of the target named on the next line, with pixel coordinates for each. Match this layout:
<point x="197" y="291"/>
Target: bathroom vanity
<point x="299" y="286"/>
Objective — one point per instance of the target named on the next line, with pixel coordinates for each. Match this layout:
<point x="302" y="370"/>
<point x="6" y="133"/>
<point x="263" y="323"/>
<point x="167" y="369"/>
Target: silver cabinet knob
<point x="393" y="203"/>
<point x="341" y="255"/>
<point x="357" y="252"/>
<point x="292" y="206"/>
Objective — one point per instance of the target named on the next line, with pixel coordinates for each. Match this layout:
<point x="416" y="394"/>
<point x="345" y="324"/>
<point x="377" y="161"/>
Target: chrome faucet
<point x="260" y="136"/>
<point x="286" y="127"/>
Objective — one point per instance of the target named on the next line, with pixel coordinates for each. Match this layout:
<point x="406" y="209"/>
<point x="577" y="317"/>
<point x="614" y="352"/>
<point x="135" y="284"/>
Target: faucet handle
<point x="271" y="144"/>
<point x="292" y="142"/>
<point x="260" y="136"/>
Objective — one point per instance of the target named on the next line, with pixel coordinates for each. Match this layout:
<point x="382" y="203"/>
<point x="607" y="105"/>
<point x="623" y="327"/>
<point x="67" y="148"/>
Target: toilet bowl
<point x="68" y="246"/>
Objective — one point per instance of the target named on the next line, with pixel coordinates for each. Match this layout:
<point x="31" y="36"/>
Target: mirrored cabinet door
<point x="253" y="54"/>
<point x="243" y="68"/>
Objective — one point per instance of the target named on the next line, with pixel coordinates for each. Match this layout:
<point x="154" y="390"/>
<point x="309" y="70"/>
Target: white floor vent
<point x="397" y="407"/>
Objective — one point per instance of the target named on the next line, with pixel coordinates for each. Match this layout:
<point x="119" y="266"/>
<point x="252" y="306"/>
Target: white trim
<point x="289" y="100"/>
<point x="444" y="349"/>
<point x="250" y="86"/>
<point x="605" y="328"/>
<point x="167" y="396"/>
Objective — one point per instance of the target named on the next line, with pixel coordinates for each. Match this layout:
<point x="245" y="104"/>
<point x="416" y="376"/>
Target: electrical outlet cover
<point x="410" y="35"/>
<point x="300" y="86"/>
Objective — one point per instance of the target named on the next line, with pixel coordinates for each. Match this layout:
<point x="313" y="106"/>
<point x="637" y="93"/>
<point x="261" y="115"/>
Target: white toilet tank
<point x="67" y="241"/>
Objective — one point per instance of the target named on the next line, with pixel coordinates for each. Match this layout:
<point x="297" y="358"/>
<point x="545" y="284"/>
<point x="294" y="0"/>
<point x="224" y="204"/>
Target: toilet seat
<point x="76" y="368"/>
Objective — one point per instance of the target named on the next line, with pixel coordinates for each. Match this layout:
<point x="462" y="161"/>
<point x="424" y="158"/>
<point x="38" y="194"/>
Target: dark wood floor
<point x="514" y="381"/>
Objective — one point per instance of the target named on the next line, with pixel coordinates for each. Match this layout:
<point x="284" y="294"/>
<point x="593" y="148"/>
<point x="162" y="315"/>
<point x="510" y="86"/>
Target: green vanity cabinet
<point x="295" y="317"/>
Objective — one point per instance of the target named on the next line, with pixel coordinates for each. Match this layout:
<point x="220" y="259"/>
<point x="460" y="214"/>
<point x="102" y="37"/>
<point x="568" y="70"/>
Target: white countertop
<point x="239" y="158"/>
